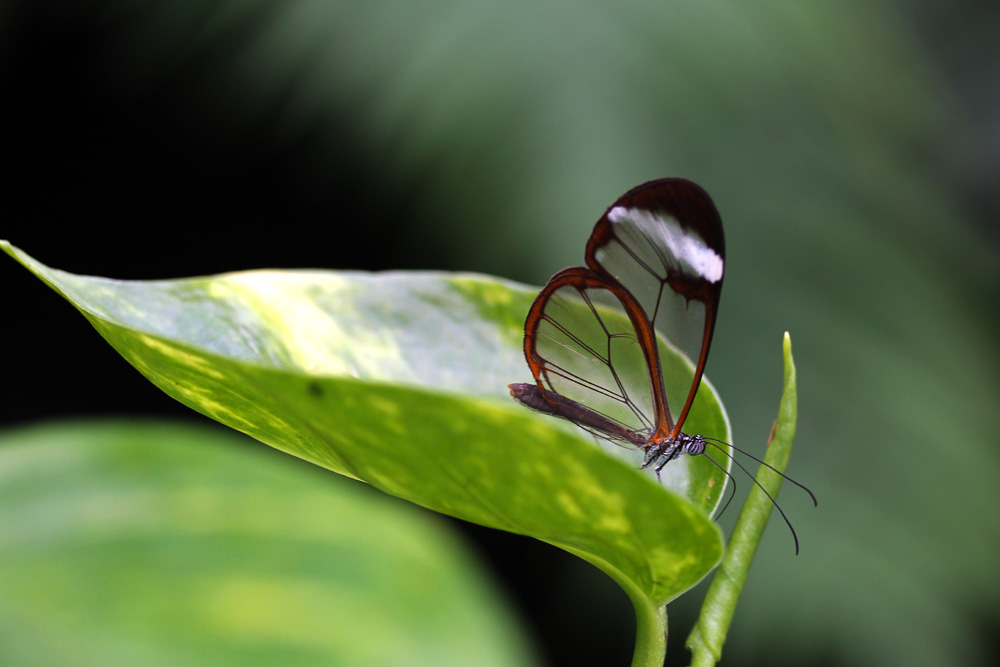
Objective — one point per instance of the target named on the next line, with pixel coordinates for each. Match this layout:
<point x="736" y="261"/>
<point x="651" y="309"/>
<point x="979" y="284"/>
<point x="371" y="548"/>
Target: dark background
<point x="853" y="154"/>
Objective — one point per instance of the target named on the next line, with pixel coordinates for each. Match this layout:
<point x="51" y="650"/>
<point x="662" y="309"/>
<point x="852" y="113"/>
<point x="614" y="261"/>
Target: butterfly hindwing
<point x="581" y="344"/>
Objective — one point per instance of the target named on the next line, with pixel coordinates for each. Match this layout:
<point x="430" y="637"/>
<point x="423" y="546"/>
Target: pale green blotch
<point x="180" y="356"/>
<point x="569" y="505"/>
<point x="541" y="469"/>
<point x="491" y="299"/>
<point x="93" y="293"/>
<point x="228" y="604"/>
<point x="679" y="561"/>
<point x="192" y="394"/>
<point x="202" y="396"/>
<point x="316" y="342"/>
<point x="612" y="504"/>
<point x="284" y="312"/>
<point x="615" y="519"/>
<point x="389" y="414"/>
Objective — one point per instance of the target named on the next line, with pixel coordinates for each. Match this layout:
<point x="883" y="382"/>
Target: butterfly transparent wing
<point x="662" y="242"/>
<point x="582" y="345"/>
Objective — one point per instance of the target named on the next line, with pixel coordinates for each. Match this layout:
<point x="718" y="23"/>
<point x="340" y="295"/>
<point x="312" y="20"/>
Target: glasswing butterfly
<point x="596" y="336"/>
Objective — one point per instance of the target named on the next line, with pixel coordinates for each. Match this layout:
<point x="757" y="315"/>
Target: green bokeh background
<point x="850" y="147"/>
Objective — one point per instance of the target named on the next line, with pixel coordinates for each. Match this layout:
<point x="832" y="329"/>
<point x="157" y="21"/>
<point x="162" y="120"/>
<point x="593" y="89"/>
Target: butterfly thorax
<point x="668" y="449"/>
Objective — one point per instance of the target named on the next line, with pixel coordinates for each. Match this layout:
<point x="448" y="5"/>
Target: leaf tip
<point x="786" y="346"/>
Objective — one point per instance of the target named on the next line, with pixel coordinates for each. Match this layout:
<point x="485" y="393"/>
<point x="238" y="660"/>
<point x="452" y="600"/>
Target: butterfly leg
<point x="650" y="455"/>
<point x="667" y="456"/>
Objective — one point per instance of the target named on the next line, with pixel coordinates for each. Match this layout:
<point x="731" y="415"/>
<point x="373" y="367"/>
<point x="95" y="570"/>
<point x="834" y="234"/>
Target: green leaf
<point x="399" y="380"/>
<point x="156" y="543"/>
<point x="709" y="634"/>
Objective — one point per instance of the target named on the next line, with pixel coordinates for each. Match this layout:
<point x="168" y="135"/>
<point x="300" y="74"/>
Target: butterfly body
<point x="666" y="448"/>
<point x="656" y="450"/>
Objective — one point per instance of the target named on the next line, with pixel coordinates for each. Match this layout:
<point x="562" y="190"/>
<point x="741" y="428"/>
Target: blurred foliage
<point x="156" y="543"/>
<point x="847" y="165"/>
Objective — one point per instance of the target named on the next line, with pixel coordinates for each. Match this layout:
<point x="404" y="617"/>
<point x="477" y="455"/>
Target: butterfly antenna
<point x="731" y="478"/>
<point x="751" y="456"/>
<point x="753" y="479"/>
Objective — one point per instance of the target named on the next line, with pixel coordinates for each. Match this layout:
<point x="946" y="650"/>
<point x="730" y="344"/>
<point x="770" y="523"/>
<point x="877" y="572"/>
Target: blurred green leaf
<point x="400" y="380"/>
<point x="155" y="543"/>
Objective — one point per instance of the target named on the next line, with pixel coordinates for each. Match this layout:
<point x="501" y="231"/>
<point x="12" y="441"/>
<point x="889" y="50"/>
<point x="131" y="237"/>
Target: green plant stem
<point x="650" y="619"/>
<point x="650" y="635"/>
<point x="709" y="633"/>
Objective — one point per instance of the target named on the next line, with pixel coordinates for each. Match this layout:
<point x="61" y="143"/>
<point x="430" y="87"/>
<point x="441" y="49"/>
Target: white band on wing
<point x="686" y="246"/>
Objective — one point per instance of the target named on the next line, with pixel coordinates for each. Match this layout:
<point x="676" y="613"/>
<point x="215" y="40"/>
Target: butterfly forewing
<point x="663" y="243"/>
<point x="584" y="347"/>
